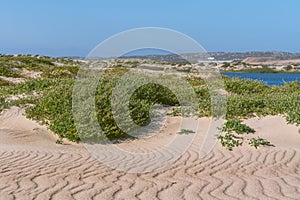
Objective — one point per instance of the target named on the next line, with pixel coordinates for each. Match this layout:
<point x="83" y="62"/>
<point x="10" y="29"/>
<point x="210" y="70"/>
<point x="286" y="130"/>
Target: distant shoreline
<point x="270" y="79"/>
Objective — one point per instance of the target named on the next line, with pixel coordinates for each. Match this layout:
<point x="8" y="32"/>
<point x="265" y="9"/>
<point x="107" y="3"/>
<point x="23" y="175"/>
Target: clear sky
<point x="74" y="27"/>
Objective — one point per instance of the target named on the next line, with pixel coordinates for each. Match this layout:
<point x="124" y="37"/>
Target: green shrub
<point x="246" y="106"/>
<point x="139" y="106"/>
<point x="245" y="86"/>
<point x="55" y="109"/>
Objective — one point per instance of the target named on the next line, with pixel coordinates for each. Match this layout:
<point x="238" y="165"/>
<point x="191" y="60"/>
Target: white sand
<point x="32" y="166"/>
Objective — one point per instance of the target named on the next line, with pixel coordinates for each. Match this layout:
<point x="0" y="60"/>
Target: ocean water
<point x="267" y="78"/>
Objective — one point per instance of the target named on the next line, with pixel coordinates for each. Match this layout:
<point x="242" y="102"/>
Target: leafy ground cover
<point x="48" y="99"/>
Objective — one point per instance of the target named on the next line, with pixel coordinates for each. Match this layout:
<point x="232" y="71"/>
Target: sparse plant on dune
<point x="258" y="142"/>
<point x="185" y="132"/>
<point x="233" y="128"/>
<point x="229" y="140"/>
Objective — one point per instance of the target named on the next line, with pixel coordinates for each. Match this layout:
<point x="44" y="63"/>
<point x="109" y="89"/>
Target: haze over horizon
<point x="65" y="28"/>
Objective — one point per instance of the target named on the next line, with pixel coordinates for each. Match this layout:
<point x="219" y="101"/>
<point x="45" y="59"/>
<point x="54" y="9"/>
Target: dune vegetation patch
<point x="48" y="99"/>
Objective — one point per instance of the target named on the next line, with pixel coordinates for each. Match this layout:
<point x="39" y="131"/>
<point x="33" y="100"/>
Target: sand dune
<point x="32" y="166"/>
<point x="270" y="61"/>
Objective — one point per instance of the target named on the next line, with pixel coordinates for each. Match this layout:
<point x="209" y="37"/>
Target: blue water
<point x="267" y="78"/>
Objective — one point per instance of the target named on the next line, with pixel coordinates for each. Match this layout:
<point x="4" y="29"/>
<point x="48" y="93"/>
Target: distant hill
<point x="223" y="56"/>
<point x="241" y="56"/>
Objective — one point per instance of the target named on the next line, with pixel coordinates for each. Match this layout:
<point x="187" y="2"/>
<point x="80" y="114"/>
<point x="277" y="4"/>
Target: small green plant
<point x="59" y="141"/>
<point x="258" y="142"/>
<point x="230" y="141"/>
<point x="185" y="131"/>
<point x="236" y="125"/>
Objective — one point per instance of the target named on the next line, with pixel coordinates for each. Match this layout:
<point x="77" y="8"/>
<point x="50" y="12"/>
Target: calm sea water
<point x="267" y="78"/>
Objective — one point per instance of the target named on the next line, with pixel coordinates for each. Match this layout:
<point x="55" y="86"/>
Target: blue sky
<point x="74" y="27"/>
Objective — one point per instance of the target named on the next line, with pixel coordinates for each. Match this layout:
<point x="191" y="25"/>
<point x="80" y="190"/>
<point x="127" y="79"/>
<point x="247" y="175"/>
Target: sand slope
<point x="32" y="166"/>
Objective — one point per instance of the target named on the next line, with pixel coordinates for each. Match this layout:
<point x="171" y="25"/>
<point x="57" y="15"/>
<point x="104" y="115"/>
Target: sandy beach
<point x="33" y="166"/>
<point x="146" y="100"/>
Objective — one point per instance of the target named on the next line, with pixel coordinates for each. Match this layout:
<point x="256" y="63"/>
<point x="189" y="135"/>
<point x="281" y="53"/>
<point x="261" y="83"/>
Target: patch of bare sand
<point x="32" y="166"/>
<point x="270" y="61"/>
<point x="276" y="130"/>
<point x="17" y="130"/>
<point x="31" y="74"/>
<point x="12" y="80"/>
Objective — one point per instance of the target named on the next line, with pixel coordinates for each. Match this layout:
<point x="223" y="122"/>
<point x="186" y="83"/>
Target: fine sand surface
<point x="33" y="166"/>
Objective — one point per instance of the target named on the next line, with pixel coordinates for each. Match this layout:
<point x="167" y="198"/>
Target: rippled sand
<point x="32" y="166"/>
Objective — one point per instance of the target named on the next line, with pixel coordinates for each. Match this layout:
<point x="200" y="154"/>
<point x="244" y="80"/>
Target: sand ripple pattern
<point x="32" y="166"/>
<point x="243" y="174"/>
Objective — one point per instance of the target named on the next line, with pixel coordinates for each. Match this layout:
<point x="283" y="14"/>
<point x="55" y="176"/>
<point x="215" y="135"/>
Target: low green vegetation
<point x="48" y="99"/>
<point x="59" y="141"/>
<point x="226" y="65"/>
<point x="2" y="103"/>
<point x="249" y="68"/>
<point x="288" y="67"/>
<point x="8" y="72"/>
<point x="231" y="135"/>
<point x="263" y="69"/>
<point x="230" y="140"/>
<point x="185" y="132"/>
<point x="14" y="66"/>
<point x="4" y="83"/>
<point x="293" y="116"/>
<point x="258" y="142"/>
<point x="252" y="98"/>
<point x="236" y="126"/>
<point x="55" y="109"/>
